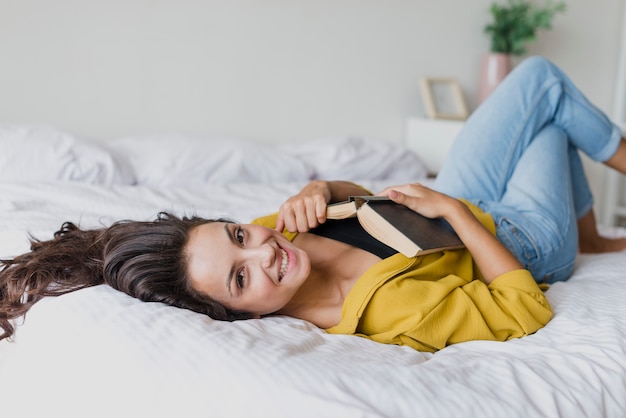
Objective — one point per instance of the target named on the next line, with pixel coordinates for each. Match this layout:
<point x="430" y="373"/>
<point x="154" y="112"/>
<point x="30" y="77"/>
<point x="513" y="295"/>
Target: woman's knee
<point x="535" y="64"/>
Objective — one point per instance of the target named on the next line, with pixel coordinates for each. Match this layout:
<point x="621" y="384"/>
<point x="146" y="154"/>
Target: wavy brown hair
<point x="146" y="260"/>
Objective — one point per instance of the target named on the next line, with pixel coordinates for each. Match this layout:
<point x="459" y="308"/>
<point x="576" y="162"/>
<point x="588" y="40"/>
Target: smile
<point x="283" y="265"/>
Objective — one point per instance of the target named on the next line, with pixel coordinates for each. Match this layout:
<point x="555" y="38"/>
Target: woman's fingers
<point x="300" y="214"/>
<point x="420" y="199"/>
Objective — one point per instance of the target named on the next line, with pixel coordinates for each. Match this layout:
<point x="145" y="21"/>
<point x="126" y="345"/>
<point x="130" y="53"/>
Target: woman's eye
<point x="239" y="235"/>
<point x="240" y="279"/>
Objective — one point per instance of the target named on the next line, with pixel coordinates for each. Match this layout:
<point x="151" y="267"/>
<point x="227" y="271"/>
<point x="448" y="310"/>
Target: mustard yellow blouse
<point x="429" y="302"/>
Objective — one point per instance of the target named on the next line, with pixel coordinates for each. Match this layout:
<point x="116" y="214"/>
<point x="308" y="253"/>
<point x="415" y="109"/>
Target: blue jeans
<point x="517" y="159"/>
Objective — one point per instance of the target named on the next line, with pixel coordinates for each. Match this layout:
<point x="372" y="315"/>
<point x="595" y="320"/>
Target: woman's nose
<point x="265" y="254"/>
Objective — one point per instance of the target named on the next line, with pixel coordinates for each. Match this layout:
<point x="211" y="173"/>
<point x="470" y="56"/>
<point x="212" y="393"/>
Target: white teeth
<point x="283" y="264"/>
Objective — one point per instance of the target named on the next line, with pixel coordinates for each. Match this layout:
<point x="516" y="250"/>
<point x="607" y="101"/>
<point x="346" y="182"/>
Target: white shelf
<point x="431" y="139"/>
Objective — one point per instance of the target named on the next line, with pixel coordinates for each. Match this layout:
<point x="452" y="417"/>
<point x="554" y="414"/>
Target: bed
<point x="100" y="353"/>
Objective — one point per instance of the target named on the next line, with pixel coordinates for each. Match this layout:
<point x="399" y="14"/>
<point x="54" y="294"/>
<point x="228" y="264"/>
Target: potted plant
<point x="514" y="24"/>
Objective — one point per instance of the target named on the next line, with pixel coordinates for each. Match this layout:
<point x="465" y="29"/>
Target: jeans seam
<point x="545" y="87"/>
<point x="521" y="239"/>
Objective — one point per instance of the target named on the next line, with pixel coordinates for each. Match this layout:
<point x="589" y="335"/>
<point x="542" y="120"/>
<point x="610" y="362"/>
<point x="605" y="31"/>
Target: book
<point x="397" y="226"/>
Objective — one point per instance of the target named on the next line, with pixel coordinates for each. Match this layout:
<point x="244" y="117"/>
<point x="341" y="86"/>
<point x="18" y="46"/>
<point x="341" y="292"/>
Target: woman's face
<point x="245" y="267"/>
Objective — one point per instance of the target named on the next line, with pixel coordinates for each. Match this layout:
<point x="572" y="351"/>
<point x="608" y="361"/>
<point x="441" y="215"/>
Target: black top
<point x="350" y="231"/>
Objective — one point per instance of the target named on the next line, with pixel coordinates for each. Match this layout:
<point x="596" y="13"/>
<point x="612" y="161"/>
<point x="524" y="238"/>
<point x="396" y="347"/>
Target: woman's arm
<point x="307" y="209"/>
<point x="492" y="258"/>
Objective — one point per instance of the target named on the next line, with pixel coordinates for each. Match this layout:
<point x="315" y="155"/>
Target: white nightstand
<point x="431" y="139"/>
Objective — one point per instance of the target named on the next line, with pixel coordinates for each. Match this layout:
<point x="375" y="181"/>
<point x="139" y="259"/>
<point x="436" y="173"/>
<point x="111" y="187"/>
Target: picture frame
<point x="443" y="99"/>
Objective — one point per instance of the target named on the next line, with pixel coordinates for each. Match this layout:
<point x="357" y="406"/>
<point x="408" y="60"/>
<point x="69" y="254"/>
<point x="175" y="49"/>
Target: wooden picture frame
<point x="443" y="99"/>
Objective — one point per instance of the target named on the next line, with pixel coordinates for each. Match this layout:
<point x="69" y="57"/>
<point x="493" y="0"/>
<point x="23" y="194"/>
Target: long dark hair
<point x="146" y="260"/>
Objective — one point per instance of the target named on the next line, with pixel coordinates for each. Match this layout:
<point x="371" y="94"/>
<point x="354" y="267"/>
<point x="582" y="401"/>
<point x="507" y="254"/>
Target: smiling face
<point x="249" y="268"/>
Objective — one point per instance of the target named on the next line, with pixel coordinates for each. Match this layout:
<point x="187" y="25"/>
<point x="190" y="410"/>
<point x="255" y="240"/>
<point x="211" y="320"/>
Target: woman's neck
<point x="335" y="268"/>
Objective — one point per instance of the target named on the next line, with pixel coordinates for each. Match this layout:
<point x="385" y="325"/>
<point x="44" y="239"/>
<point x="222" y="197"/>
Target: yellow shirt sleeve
<point x="415" y="309"/>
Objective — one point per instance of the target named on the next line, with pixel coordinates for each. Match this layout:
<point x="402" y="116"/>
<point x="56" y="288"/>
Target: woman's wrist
<point x="457" y="213"/>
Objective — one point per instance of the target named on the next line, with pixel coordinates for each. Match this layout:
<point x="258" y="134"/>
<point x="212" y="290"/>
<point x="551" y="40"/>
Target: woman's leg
<point x="618" y="160"/>
<point x="589" y="239"/>
<point x="495" y="137"/>
<point x="487" y="151"/>
<point x="536" y="215"/>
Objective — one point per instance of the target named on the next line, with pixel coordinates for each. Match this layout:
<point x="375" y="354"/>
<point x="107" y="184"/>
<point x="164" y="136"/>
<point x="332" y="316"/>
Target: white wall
<point x="272" y="70"/>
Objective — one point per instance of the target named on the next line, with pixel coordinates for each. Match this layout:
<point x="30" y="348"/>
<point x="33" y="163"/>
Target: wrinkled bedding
<point x="100" y="353"/>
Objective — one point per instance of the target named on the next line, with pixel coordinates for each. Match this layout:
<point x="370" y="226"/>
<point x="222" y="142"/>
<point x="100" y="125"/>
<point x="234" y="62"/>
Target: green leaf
<point x="516" y="23"/>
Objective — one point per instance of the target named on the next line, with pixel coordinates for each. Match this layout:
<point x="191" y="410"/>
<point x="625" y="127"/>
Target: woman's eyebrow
<point x="231" y="274"/>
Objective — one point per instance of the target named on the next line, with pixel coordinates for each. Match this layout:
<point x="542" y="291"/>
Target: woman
<point x="513" y="189"/>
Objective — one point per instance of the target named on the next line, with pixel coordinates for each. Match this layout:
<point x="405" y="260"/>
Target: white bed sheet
<point x="100" y="353"/>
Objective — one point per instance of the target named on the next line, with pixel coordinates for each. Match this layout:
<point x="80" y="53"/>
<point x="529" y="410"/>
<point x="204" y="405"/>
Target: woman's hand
<point x="421" y="199"/>
<point x="307" y="209"/>
<point x="490" y="255"/>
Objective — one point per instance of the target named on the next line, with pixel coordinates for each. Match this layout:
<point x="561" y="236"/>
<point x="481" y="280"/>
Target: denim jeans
<point x="517" y="159"/>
